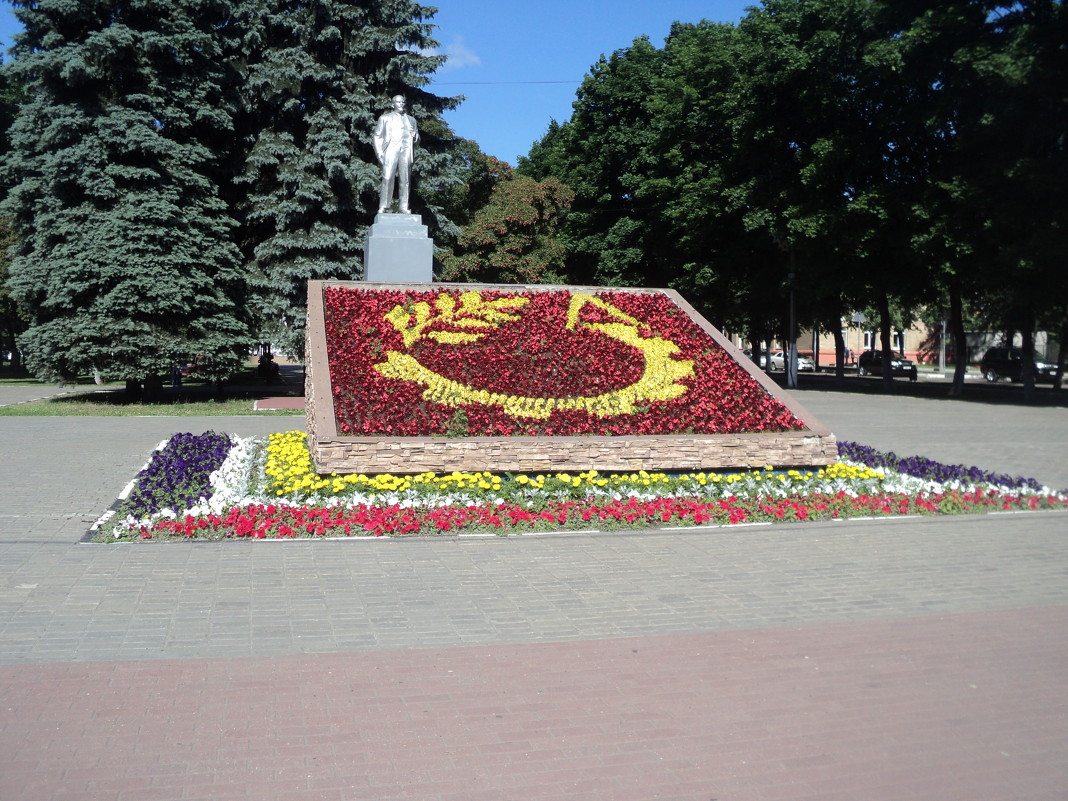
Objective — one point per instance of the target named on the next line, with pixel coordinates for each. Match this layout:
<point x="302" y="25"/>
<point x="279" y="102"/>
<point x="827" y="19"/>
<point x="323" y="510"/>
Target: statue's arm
<point x="378" y="139"/>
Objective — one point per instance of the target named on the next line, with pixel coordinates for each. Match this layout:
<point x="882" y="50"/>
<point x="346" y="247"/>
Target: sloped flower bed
<point x="446" y="362"/>
<point x="268" y="488"/>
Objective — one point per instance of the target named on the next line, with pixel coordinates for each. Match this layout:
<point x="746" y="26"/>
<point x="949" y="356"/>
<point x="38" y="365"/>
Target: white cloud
<point x="460" y="55"/>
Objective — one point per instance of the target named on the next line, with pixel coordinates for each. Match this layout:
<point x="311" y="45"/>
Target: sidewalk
<point x="891" y="659"/>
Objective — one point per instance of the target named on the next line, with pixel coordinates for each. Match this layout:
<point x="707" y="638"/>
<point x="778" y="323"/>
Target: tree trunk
<point x="1027" y="367"/>
<point x="153" y="389"/>
<point x="839" y="354"/>
<point x="884" y="340"/>
<point x="11" y="344"/>
<point x="1061" y="341"/>
<point x="960" y="344"/>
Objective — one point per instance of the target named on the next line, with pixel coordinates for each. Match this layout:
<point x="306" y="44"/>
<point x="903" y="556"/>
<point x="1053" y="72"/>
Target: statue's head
<point x="399" y="103"/>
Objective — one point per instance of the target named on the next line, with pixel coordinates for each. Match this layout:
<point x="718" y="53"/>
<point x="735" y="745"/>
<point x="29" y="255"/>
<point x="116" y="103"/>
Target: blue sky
<point x="519" y="62"/>
<point x="502" y="51"/>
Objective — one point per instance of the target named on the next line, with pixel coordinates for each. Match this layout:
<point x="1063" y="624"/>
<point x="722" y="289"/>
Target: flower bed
<point x="490" y="377"/>
<point x="269" y="488"/>
<point x="446" y="362"/>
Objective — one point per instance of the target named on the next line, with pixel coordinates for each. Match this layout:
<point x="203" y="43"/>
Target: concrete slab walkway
<point x="891" y="659"/>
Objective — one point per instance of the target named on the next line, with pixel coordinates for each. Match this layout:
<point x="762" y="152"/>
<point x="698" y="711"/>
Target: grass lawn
<point x="94" y="405"/>
<point x="192" y="399"/>
<point x="9" y="379"/>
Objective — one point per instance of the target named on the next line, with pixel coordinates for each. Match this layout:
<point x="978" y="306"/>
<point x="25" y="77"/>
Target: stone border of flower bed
<point x="332" y="452"/>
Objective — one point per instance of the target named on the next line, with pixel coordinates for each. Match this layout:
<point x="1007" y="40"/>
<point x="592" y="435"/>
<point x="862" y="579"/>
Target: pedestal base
<point x="398" y="250"/>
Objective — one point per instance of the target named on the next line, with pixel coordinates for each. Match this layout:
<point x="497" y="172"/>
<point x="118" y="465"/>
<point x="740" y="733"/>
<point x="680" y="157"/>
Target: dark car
<point x="871" y="363"/>
<point x="763" y="356"/>
<point x="999" y="363"/>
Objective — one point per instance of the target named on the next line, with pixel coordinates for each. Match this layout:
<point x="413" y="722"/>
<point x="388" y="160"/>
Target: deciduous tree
<point x="601" y="153"/>
<point x="513" y="237"/>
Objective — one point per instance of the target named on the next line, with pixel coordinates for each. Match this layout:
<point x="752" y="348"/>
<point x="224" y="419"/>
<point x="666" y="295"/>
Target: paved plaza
<point x="896" y="659"/>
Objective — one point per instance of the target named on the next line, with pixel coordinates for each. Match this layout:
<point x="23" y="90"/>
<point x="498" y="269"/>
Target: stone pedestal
<point x="398" y="250"/>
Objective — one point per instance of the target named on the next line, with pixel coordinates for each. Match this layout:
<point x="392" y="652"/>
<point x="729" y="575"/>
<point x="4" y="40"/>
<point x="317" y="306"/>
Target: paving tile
<point x="965" y="706"/>
<point x="911" y="659"/>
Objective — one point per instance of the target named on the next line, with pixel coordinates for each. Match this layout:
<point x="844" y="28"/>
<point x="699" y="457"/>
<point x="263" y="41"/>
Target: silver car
<point x="778" y="362"/>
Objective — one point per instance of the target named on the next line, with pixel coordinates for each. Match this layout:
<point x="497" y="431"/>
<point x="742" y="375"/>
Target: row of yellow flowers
<point x="291" y="474"/>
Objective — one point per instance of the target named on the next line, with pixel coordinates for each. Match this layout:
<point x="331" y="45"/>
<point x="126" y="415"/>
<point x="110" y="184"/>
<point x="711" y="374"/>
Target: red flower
<point x="535" y="355"/>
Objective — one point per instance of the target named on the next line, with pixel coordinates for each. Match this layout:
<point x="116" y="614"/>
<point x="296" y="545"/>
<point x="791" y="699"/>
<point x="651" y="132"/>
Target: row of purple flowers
<point x="178" y="474"/>
<point x="921" y="467"/>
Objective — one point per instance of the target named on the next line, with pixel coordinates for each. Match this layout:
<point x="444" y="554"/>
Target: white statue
<point x="394" y="139"/>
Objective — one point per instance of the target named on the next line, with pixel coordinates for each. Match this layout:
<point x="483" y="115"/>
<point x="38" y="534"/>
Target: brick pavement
<point x="1017" y="439"/>
<point x="894" y="659"/>
<point x="895" y="709"/>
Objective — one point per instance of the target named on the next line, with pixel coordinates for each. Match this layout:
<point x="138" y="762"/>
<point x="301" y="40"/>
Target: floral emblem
<point x="476" y="318"/>
<point x="553" y="361"/>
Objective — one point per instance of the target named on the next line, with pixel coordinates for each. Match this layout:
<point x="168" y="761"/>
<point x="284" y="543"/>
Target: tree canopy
<point x="883" y="153"/>
<point x="181" y="168"/>
<point x="126" y="259"/>
<point x="512" y="235"/>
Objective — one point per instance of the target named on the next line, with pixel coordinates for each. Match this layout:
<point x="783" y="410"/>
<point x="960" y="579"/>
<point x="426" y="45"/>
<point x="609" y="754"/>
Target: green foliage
<point x="12" y="322"/>
<point x="125" y="260"/>
<point x="1000" y="201"/>
<point x="512" y="238"/>
<point x="315" y="76"/>
<point x="180" y="170"/>
<point x="472" y="182"/>
<point x="603" y="154"/>
<point x="888" y="154"/>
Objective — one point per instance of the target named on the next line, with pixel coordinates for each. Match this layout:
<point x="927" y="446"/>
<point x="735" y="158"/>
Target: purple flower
<point x="177" y="475"/>
<point x="924" y="468"/>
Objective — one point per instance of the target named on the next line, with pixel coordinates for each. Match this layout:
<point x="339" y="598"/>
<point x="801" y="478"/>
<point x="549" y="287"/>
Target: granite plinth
<point x="398" y="249"/>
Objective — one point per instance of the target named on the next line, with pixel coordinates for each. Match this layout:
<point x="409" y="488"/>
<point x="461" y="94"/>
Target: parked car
<point x="763" y="356"/>
<point x="778" y="362"/>
<point x="871" y="363"/>
<point x="999" y="363"/>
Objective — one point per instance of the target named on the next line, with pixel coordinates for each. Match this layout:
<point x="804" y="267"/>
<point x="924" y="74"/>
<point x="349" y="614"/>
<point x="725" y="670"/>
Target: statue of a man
<point x="394" y="139"/>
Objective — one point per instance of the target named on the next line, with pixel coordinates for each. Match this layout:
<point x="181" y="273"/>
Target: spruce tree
<point x="11" y="322"/>
<point x="316" y="75"/>
<point x="126" y="259"/>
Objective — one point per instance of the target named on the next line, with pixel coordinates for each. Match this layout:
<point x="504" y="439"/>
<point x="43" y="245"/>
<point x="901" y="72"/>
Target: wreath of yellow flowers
<point x="475" y="317"/>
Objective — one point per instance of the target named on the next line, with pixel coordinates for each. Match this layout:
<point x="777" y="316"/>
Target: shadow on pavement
<point x="288" y="384"/>
<point x="974" y="391"/>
